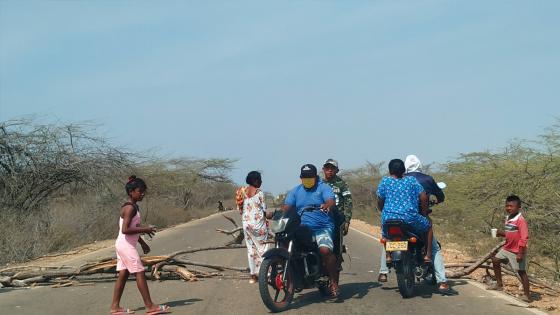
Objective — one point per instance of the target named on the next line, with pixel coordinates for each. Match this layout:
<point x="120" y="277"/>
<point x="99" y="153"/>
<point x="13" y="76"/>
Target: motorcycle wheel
<point x="275" y="293"/>
<point x="405" y="276"/>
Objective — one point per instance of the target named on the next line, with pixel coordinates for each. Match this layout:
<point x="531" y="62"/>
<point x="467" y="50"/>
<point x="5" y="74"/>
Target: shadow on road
<point x="426" y="291"/>
<point x="347" y="291"/>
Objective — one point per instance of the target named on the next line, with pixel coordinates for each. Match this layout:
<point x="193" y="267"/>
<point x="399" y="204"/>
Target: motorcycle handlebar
<point x="311" y="208"/>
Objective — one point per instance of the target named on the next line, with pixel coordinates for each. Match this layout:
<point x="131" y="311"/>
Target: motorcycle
<point x="407" y="251"/>
<point x="293" y="264"/>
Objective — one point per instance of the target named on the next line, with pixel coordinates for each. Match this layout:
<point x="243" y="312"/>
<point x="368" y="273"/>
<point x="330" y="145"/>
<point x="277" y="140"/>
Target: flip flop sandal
<point x="162" y="309"/>
<point x="122" y="311"/>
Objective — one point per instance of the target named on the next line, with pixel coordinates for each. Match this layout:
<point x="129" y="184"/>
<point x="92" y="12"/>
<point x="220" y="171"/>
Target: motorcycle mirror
<point x="442" y="185"/>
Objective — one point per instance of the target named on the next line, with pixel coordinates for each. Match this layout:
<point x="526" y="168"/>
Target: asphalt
<point x="360" y="291"/>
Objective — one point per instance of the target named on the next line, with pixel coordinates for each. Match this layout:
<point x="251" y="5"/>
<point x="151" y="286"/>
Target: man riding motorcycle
<point x="414" y="168"/>
<point x="312" y="191"/>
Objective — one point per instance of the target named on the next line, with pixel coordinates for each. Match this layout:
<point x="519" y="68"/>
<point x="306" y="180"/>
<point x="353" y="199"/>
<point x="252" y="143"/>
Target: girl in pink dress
<point x="128" y="260"/>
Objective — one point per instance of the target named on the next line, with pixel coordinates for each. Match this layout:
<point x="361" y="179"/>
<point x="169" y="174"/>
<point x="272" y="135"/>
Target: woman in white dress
<point x="252" y="207"/>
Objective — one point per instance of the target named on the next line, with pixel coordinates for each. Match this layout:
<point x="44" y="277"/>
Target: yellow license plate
<point x="394" y="246"/>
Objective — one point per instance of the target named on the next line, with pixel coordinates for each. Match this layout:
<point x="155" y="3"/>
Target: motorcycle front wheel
<point x="405" y="276"/>
<point x="276" y="294"/>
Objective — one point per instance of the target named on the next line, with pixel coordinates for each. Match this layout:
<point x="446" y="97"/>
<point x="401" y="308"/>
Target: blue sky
<point x="279" y="84"/>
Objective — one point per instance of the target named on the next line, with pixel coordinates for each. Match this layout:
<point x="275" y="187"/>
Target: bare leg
<point x="525" y="282"/>
<point x="429" y="236"/>
<point x="497" y="271"/>
<point x="119" y="289"/>
<point x="144" y="291"/>
<point x="329" y="260"/>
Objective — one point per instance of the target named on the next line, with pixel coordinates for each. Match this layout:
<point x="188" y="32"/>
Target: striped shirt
<point x="517" y="233"/>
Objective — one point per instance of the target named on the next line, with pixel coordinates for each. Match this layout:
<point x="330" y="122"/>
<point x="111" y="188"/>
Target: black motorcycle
<point x="293" y="264"/>
<point x="407" y="253"/>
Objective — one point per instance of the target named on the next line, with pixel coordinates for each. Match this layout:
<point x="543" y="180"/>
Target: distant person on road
<point x="251" y="205"/>
<point x="514" y="251"/>
<point x="220" y="206"/>
<point x="128" y="260"/>
<point x="413" y="167"/>
<point x="399" y="197"/>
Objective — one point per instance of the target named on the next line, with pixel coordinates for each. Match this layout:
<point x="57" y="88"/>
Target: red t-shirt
<point x="517" y="233"/>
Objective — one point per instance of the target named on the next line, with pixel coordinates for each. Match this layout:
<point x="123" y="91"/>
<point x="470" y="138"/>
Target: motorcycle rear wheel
<point x="275" y="293"/>
<point x="405" y="276"/>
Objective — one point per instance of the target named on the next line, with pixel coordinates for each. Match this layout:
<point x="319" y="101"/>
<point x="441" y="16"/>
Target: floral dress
<point x="255" y="227"/>
<point x="401" y="197"/>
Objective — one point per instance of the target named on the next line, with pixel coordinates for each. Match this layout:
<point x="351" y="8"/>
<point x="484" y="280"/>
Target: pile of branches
<point x="173" y="266"/>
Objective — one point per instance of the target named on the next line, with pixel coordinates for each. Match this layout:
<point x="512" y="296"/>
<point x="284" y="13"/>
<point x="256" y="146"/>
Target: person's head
<point x="330" y="169"/>
<point x="396" y="168"/>
<point x="513" y="204"/>
<point x="254" y="179"/>
<point x="308" y="176"/>
<point x="135" y="188"/>
<point x="412" y="164"/>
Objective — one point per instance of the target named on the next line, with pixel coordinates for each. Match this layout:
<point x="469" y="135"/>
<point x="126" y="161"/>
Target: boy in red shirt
<point x="514" y="251"/>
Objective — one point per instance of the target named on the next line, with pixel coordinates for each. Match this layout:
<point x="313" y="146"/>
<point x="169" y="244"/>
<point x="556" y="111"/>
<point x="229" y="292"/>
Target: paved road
<point x="361" y="293"/>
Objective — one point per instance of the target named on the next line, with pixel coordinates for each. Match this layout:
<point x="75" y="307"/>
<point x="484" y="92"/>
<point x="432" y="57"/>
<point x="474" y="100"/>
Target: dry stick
<point x="471" y="268"/>
<point x="217" y="267"/>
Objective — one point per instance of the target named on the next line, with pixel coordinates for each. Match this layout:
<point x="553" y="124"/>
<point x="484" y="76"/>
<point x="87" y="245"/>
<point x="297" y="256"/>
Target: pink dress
<point x="125" y="245"/>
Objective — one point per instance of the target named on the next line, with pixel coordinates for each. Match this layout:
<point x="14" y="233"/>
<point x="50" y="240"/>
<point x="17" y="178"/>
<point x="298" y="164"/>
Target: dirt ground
<point x="452" y="253"/>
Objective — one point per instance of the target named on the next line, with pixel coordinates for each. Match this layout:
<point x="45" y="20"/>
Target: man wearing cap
<point x="343" y="197"/>
<point x="312" y="191"/>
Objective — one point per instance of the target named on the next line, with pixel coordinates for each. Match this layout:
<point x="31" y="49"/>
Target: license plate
<point x="394" y="246"/>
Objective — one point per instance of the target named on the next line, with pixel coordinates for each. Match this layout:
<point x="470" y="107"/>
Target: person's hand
<point x="519" y="257"/>
<point x="345" y="228"/>
<point x="145" y="248"/>
<point x="325" y="207"/>
<point x="151" y="231"/>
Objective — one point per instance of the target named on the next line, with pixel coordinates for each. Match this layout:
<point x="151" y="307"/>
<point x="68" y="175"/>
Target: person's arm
<point x="424" y="209"/>
<point x="328" y="204"/>
<point x="128" y="213"/>
<point x="328" y="197"/>
<point x="380" y="203"/>
<point x="381" y="195"/>
<point x="347" y="203"/>
<point x="523" y="238"/>
<point x="290" y="201"/>
<point x="440" y="196"/>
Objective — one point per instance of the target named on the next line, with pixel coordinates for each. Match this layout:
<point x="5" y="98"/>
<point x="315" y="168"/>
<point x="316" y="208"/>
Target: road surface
<point x="361" y="293"/>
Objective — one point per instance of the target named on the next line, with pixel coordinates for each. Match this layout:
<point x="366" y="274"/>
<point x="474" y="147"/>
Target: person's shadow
<point x="347" y="291"/>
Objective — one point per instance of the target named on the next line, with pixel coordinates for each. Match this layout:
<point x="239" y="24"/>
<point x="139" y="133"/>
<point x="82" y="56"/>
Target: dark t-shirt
<point x="429" y="184"/>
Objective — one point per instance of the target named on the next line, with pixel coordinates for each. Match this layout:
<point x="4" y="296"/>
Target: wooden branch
<point x="230" y="232"/>
<point x="474" y="266"/>
<point x="216" y="267"/>
<point x="230" y="220"/>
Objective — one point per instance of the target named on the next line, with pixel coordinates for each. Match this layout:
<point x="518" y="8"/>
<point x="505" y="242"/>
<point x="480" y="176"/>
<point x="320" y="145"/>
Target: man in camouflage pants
<point x="343" y="201"/>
